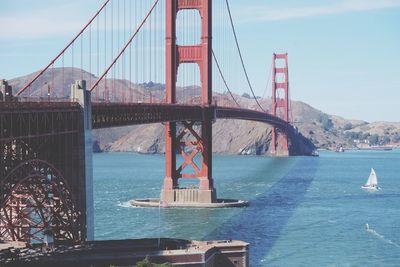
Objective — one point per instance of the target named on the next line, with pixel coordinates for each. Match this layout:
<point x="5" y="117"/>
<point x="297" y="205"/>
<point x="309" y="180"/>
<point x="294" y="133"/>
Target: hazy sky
<point x="344" y="55"/>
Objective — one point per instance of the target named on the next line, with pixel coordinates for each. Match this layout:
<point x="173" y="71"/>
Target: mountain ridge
<point x="230" y="136"/>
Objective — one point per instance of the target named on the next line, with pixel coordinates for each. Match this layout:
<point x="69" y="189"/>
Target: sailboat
<point x="372" y="182"/>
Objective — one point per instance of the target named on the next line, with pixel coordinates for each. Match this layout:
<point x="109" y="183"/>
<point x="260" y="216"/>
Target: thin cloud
<point x="38" y="24"/>
<point x="55" y="21"/>
<point x="268" y="13"/>
<point x="35" y="27"/>
<point x="45" y="19"/>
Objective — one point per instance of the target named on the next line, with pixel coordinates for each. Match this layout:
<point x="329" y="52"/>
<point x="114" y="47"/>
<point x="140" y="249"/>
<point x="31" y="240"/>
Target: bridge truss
<point x="126" y="52"/>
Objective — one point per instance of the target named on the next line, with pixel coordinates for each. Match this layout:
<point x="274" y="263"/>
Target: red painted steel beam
<point x="189" y="4"/>
<point x="190" y="54"/>
<point x="280" y="106"/>
<point x="175" y="55"/>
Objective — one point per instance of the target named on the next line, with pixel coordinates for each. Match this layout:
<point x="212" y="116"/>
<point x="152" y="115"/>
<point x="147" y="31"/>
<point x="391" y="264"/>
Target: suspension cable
<point x="268" y="81"/>
<point x="127" y="44"/>
<point x="240" y="55"/>
<point x="62" y="51"/>
<point x="223" y="79"/>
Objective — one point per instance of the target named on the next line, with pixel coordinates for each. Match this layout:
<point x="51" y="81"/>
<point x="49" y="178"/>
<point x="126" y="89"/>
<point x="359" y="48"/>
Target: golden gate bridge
<point x="134" y="62"/>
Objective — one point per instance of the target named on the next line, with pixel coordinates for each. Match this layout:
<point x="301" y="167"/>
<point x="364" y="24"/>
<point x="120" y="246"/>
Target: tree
<point x="396" y="138"/>
<point x="326" y="122"/>
<point x="347" y="126"/>
<point x="365" y="136"/>
<point x="147" y="263"/>
<point x="386" y="140"/>
<point x="373" y="139"/>
<point x="246" y="95"/>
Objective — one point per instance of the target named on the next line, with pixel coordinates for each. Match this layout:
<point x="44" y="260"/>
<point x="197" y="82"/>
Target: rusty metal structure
<point x="41" y="171"/>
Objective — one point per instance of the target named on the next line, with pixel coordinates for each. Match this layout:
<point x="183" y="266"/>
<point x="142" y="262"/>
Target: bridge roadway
<point x="45" y="116"/>
<point x="106" y="115"/>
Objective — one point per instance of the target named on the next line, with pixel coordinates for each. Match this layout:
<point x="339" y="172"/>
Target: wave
<point x="125" y="204"/>
<point x="381" y="237"/>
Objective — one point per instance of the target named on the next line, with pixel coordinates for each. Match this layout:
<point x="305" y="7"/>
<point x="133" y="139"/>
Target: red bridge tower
<point x="184" y="139"/>
<point x="280" y="102"/>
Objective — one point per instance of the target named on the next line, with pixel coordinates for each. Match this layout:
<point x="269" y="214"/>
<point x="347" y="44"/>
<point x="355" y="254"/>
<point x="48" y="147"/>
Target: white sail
<point x="372" y="179"/>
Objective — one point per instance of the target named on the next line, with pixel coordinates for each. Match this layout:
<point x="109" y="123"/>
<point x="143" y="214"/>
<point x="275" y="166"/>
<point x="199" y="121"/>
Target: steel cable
<point x="240" y="55"/>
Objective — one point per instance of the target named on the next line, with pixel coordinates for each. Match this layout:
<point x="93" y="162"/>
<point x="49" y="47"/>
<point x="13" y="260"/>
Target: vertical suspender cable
<point x="90" y="56"/>
<point x="124" y="62"/>
<point x="150" y="48"/>
<point x="117" y="64"/>
<point x="112" y="52"/>
<point x="72" y="54"/>
<point x="240" y="55"/>
<point x="98" y="55"/>
<point x="105" y="55"/>
<point x="130" y="53"/>
<point x="136" y="55"/>
<point x="63" y="77"/>
<point x="82" y="56"/>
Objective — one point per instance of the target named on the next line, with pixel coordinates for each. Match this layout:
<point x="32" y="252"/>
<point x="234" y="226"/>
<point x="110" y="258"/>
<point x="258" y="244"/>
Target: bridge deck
<point x="105" y="115"/>
<point x="119" y="114"/>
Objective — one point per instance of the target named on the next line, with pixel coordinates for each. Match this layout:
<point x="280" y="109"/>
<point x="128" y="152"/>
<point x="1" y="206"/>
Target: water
<point x="304" y="211"/>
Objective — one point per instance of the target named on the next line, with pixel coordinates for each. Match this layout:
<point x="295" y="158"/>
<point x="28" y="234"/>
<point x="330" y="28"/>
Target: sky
<point x="344" y="55"/>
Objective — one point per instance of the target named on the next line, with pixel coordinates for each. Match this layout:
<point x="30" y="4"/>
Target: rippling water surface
<point x="304" y="211"/>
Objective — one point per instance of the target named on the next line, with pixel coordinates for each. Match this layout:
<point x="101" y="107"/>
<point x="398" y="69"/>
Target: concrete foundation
<point x="219" y="203"/>
<point x="5" y="91"/>
<point x="188" y="196"/>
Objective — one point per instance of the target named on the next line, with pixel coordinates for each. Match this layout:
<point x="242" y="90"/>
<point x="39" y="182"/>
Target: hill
<point x="229" y="136"/>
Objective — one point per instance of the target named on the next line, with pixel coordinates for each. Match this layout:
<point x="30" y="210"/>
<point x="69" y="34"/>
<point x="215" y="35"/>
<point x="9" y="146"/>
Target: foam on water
<point x="125" y="204"/>
<point x="381" y="237"/>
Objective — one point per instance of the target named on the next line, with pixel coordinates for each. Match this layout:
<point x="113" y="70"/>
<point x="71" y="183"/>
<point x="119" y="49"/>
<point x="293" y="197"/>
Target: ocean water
<point x="304" y="211"/>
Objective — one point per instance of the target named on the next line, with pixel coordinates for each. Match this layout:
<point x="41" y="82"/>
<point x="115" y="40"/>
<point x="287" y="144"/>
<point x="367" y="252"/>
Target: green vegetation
<point x="396" y="138"/>
<point x="356" y="136"/>
<point x="326" y="122"/>
<point x="386" y="140"/>
<point x="347" y="126"/>
<point x="246" y="95"/>
<point x="147" y="263"/>
<point x="373" y="139"/>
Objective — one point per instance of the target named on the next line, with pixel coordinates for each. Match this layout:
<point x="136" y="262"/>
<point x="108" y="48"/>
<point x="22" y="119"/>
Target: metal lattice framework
<point x="37" y="198"/>
<point x="41" y="172"/>
<point x="176" y="55"/>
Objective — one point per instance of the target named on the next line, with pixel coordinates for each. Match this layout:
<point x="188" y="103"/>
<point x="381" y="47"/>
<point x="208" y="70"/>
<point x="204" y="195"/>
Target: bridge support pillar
<point x="194" y="146"/>
<point x="5" y="91"/>
<point x="80" y="94"/>
<point x="192" y="139"/>
<point x="279" y="143"/>
<point x="280" y="103"/>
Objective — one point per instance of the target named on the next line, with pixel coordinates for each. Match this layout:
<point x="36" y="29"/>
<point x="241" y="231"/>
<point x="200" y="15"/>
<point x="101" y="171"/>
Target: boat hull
<point x="370" y="188"/>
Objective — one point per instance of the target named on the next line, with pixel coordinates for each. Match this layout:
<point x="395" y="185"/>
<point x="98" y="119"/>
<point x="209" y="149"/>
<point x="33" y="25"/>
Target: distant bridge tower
<point x="280" y="102"/>
<point x="186" y="140"/>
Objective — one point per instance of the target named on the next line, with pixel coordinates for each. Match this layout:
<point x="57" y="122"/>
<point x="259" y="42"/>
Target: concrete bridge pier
<point x="5" y="91"/>
<point x="81" y="95"/>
